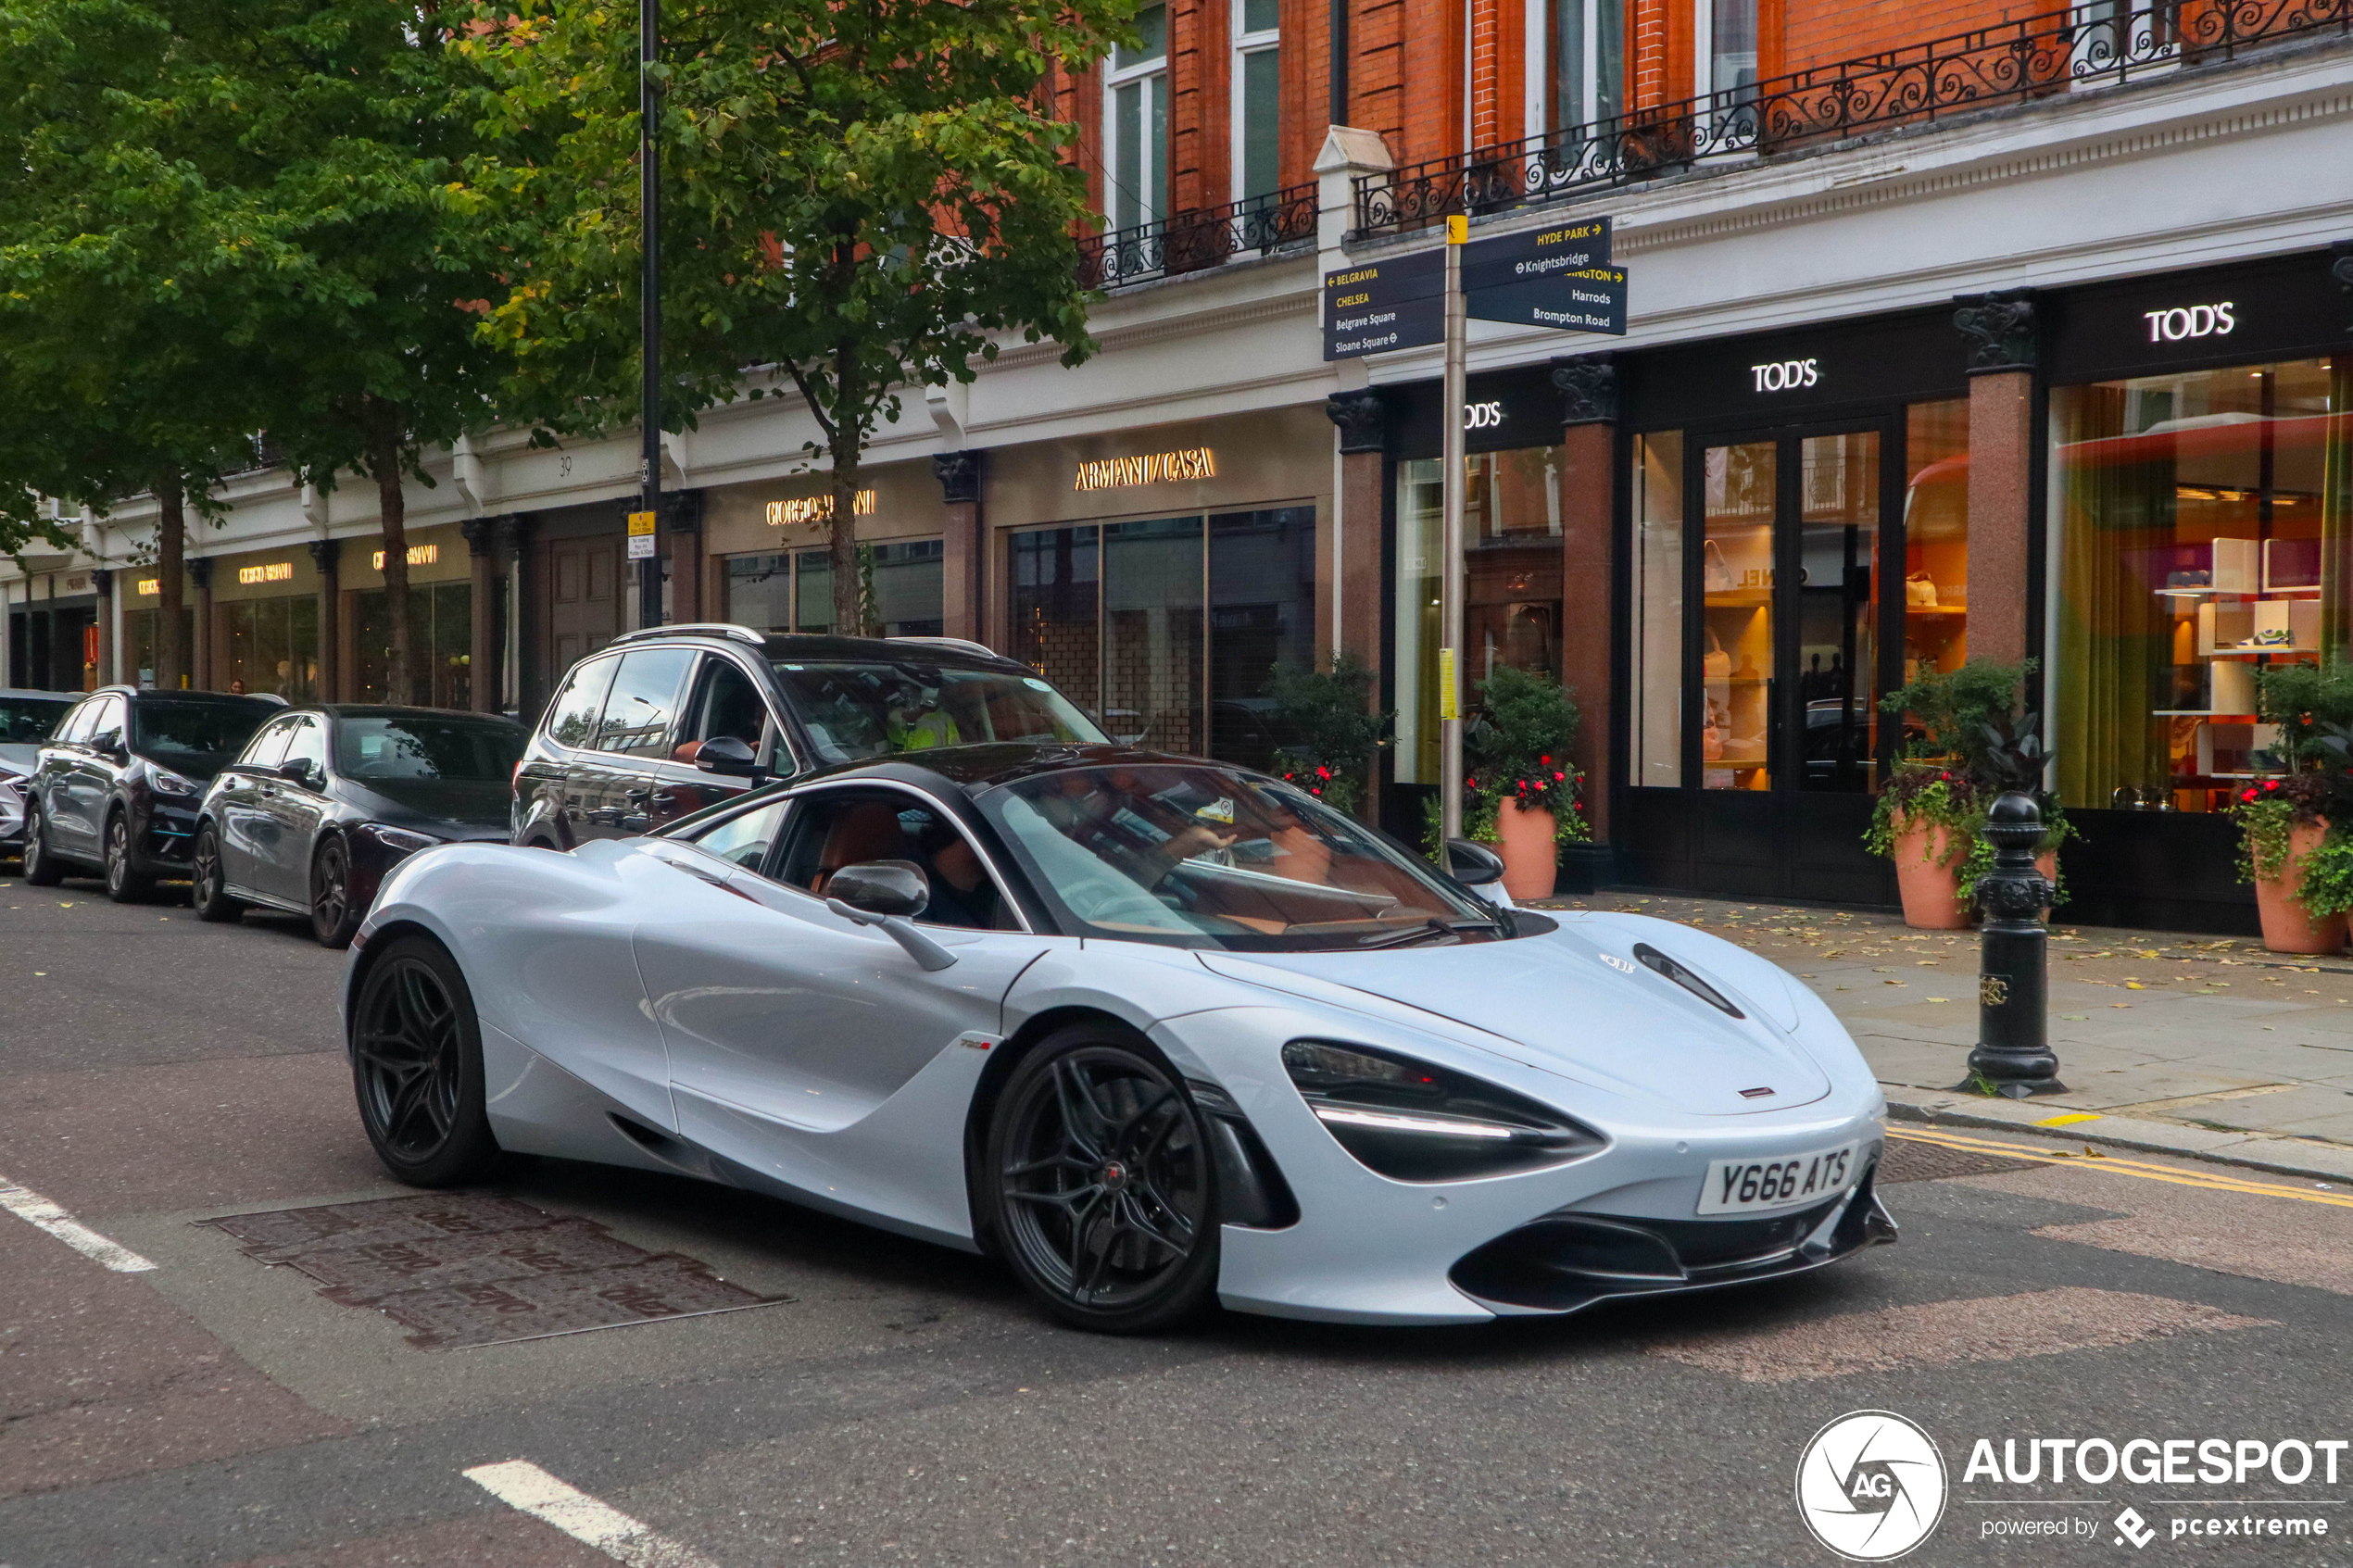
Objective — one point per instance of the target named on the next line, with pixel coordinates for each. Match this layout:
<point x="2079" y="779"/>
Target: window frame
<point x="1246" y="43"/>
<point x="547" y="720"/>
<point x="249" y="759"/>
<point x="798" y="801"/>
<point x="660" y="749"/>
<point x="1152" y="74"/>
<point x="774" y="736"/>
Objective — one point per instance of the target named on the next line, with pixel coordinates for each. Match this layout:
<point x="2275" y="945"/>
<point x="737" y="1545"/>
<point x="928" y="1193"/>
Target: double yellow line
<point x="2117" y="1165"/>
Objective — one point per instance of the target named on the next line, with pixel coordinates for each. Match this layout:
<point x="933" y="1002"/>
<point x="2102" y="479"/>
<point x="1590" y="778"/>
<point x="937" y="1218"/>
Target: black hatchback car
<point x="325" y="800"/>
<point x="666" y="722"/>
<point x="116" y="787"/>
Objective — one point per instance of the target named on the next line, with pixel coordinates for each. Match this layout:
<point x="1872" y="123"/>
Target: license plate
<point x="1741" y="1186"/>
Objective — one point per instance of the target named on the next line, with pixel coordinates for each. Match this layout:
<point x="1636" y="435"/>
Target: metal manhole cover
<point x="467" y="1269"/>
<point x="1907" y="1159"/>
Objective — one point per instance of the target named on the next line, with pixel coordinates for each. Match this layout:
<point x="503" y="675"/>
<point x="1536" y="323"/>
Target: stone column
<point x="327" y="556"/>
<point x="481" y="648"/>
<point x="199" y="571"/>
<point x="102" y="583"/>
<point x="1361" y="417"/>
<point x="526" y="682"/>
<point x="2002" y="347"/>
<point x="1588" y="575"/>
<point x="964" y="546"/>
<point x="682" y="525"/>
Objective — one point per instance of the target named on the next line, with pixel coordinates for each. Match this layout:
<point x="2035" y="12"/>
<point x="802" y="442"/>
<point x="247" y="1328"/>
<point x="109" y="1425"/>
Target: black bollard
<point x="2013" y="1057"/>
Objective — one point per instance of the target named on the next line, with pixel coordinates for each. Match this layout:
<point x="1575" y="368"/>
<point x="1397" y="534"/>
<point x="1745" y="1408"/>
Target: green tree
<point x="857" y="199"/>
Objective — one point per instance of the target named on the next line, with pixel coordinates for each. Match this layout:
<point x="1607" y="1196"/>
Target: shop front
<point x="1163" y="576"/>
<point x="440" y="621"/>
<point x="264" y="636"/>
<point x="2199" y="450"/>
<point x="771" y="565"/>
<point x="54" y="633"/>
<point x="1796" y="507"/>
<point x="140" y="589"/>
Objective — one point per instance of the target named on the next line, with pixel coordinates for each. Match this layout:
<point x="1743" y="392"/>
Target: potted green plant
<point x="1330" y="728"/>
<point x="2293" y="842"/>
<point x="1519" y="787"/>
<point x="1977" y="741"/>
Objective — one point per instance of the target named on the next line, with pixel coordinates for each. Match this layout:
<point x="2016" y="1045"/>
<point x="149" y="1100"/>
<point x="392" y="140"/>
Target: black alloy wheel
<point x="124" y="885"/>
<point x="416" y="1062"/>
<point x="333" y="918"/>
<point x="41" y="868"/>
<point x="1101" y="1185"/>
<point x="209" y="882"/>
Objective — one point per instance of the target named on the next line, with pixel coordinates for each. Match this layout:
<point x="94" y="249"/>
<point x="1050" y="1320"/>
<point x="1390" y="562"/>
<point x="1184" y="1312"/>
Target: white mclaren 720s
<point x="1151" y="1030"/>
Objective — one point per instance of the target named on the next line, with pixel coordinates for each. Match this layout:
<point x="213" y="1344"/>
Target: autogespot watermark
<point x="1872" y="1485"/>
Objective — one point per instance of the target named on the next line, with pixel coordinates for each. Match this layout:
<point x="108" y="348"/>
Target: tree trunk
<point x="383" y="463"/>
<point x="851" y="609"/>
<point x="173" y="652"/>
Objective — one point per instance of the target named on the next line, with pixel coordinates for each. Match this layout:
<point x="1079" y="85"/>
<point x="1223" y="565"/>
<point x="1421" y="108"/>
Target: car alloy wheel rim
<point x="117" y="854"/>
<point x="208" y="869"/>
<point x="328" y="900"/>
<point x="1105" y="1180"/>
<point x="408" y="1059"/>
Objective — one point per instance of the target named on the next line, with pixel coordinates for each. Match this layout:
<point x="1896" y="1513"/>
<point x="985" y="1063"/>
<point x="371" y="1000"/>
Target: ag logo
<point x="1870" y="1486"/>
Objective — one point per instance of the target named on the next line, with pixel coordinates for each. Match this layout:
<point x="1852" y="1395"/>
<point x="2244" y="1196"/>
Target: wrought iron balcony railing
<point x="1190" y="241"/>
<point x="2047" y="55"/>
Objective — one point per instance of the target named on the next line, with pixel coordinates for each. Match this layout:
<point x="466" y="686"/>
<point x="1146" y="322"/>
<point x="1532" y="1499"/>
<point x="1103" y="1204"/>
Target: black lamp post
<point x="650" y="291"/>
<point x="2012" y="1056"/>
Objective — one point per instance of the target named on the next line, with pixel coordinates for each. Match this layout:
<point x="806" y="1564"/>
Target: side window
<point x="76" y="729"/>
<point x="267" y="749"/>
<point x="308" y="743"/>
<point x="107" y="721"/>
<point x="726" y="703"/>
<point x="744" y="838"/>
<point x="643" y="699"/>
<point x="848" y="827"/>
<point x="571" y="718"/>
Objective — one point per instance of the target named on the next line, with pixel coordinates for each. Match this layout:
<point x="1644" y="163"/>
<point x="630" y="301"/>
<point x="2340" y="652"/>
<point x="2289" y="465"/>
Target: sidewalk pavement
<point x="2179" y="1045"/>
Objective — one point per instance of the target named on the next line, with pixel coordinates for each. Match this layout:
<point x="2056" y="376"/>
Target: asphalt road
<point x="903" y="1405"/>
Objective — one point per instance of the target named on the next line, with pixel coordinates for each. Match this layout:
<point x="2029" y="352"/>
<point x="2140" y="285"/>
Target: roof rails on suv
<point x="698" y="629"/>
<point x="962" y="645"/>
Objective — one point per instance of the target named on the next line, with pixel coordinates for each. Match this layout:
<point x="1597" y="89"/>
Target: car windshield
<point x="1202" y="856"/>
<point x="196" y="737"/>
<point x="24" y="720"/>
<point x="854" y="710"/>
<point x="465" y="749"/>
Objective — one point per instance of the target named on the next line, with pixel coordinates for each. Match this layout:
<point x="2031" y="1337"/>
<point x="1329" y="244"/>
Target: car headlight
<point x="401" y="839"/>
<point x="164" y="782"/>
<point x="1414" y="1123"/>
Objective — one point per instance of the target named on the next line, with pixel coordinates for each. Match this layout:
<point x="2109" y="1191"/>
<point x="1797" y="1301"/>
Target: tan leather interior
<point x="866" y="831"/>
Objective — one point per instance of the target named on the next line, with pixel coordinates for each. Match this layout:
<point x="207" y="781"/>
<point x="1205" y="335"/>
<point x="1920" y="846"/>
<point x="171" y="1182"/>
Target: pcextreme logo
<point x="1870" y="1486"/>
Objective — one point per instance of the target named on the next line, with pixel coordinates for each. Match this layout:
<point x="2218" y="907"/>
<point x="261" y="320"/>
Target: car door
<point x="55" y="776"/>
<point x="726" y="700"/>
<point x="92" y="774"/>
<point x="542" y="785"/>
<point x="617" y="781"/>
<point x="237" y="805"/>
<point x="294" y="811"/>
<point x="816" y="1050"/>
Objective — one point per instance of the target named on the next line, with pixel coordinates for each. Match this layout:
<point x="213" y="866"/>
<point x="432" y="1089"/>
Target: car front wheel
<point x="124" y="885"/>
<point x="416" y="1062"/>
<point x="209" y="883"/>
<point x="40" y="867"/>
<point x="1102" y="1188"/>
<point x="334" y="917"/>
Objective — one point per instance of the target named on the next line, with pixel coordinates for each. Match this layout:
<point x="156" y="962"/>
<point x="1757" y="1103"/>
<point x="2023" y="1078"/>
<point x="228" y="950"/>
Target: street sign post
<point x="1384" y="306"/>
<point x="1590" y="301"/>
<point x="641" y="536"/>
<point x="1454" y="450"/>
<point x="1536" y="254"/>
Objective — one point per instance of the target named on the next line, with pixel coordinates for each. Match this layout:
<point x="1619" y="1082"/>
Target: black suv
<point x="666" y="722"/>
<point x="117" y="785"/>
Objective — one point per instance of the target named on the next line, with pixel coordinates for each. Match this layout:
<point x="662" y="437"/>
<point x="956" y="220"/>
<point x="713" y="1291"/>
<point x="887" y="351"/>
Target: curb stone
<point x="2325" y="1162"/>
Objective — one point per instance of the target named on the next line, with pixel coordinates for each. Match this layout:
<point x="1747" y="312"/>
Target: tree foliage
<point x="857" y="199"/>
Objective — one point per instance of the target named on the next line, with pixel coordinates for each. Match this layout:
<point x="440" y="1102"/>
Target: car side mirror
<point x="1473" y="865"/>
<point x="297" y="773"/>
<point x="728" y="755"/>
<point x="111" y="747"/>
<point x="882" y="888"/>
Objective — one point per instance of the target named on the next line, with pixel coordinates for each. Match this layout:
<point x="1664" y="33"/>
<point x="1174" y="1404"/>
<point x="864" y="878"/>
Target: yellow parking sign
<point x="641" y="535"/>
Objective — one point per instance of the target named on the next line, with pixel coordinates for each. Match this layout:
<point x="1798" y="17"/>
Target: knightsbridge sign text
<point x="1152" y="467"/>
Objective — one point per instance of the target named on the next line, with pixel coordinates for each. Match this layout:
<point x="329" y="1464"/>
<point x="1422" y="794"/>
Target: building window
<point x="1936" y="538"/>
<point x="2198" y="524"/>
<point x="142" y="634"/>
<point x="271" y="646"/>
<point x="1135" y="124"/>
<point x="1589" y="61"/>
<point x="1725" y="51"/>
<point x="440" y="645"/>
<point x="1656" y="611"/>
<point x="1169" y="632"/>
<point x="1257" y="93"/>
<point x="793" y="591"/>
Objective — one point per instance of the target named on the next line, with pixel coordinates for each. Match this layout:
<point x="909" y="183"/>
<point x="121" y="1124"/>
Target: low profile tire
<point x="416" y="1063"/>
<point x="124" y="885"/>
<point x="1101" y="1187"/>
<point x="208" y="883"/>
<point x="40" y="866"/>
<point x="334" y="917"/>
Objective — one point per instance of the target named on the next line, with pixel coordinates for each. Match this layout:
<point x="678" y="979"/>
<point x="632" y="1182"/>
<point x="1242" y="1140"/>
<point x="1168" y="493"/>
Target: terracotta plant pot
<point x="1930" y="885"/>
<point x="1530" y="861"/>
<point x="2287" y="926"/>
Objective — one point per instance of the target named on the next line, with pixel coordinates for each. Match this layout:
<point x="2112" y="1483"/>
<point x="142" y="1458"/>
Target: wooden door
<point x="584" y="599"/>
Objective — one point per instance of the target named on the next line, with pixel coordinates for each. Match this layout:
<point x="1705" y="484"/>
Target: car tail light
<point x="1413" y="1122"/>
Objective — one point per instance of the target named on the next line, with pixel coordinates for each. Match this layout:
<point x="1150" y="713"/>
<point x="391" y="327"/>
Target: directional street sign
<point x="1399" y="303"/>
<point x="1535" y="253"/>
<point x="1590" y="301"/>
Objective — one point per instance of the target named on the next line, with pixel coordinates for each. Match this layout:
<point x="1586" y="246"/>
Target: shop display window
<point x="793" y="591"/>
<point x="440" y="642"/>
<point x="142" y="633"/>
<point x="1838" y="610"/>
<point x="1936" y="538"/>
<point x="1511" y="584"/>
<point x="2200" y="533"/>
<point x="1656" y="612"/>
<point x="271" y="646"/>
<point x="1739" y="485"/>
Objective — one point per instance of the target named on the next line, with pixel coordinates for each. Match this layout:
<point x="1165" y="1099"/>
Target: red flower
<point x="1560" y="775"/>
<point x="1945" y="776"/>
<point x="2270" y="784"/>
<point x="1545" y="759"/>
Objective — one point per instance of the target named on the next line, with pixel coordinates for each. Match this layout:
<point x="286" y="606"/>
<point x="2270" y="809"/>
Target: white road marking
<point x="522" y="1484"/>
<point x="33" y="1209"/>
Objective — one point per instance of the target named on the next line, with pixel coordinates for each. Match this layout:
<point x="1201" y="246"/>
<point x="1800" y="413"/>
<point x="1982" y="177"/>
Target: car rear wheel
<point x="40" y="867"/>
<point x="332" y="916"/>
<point x="416" y="1062"/>
<point x="124" y="885"/>
<point x="209" y="880"/>
<point x="1101" y="1188"/>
